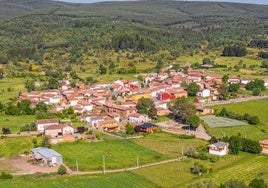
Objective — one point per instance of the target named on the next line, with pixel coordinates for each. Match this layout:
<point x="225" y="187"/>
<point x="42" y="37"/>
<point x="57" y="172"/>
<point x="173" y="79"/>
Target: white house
<point x="138" y="118"/>
<point x="44" y="123"/>
<point x="219" y="148"/>
<point x="204" y="93"/>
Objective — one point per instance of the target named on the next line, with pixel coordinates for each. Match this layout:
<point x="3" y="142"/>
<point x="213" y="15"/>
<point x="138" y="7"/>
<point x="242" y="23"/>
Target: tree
<point x="102" y="69"/>
<point x="235" y="144"/>
<point x="41" y="108"/>
<point x="257" y="83"/>
<point x="225" y="79"/>
<point x="192" y="89"/>
<point x="5" y="130"/>
<point x="183" y="108"/>
<point x="29" y="85"/>
<point x="62" y="170"/>
<point x="1" y="73"/>
<point x="233" y="88"/>
<point x="193" y="121"/>
<point x="5" y="175"/>
<point x="254" y="120"/>
<point x="46" y="142"/>
<point x="257" y="183"/>
<point x="206" y="61"/>
<point x="52" y="83"/>
<point x="264" y="64"/>
<point x="129" y="129"/>
<point x="250" y="146"/>
<point x="256" y="92"/>
<point x="146" y="106"/>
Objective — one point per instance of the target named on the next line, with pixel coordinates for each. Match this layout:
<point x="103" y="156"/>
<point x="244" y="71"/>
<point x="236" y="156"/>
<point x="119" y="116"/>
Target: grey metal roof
<point x="220" y="144"/>
<point x="46" y="152"/>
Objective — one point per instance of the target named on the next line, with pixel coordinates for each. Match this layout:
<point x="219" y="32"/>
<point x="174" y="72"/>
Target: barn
<point x="47" y="156"/>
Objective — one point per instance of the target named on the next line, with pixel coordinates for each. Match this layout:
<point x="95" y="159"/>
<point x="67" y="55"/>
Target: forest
<point x="45" y="34"/>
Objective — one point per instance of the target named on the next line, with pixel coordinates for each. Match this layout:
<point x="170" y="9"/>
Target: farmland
<point x="178" y="174"/>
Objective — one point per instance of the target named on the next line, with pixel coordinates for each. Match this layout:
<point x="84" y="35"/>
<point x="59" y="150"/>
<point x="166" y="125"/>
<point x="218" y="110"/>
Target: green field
<point x="214" y="121"/>
<point x="243" y="167"/>
<point x="10" y="88"/>
<point x="254" y="108"/>
<point x="11" y="147"/>
<point x="168" y="144"/>
<point x="14" y="123"/>
<point x="118" y="154"/>
<point x="124" y="180"/>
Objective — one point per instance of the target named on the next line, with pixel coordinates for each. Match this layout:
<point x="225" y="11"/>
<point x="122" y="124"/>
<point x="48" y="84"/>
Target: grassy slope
<point x="14" y="123"/>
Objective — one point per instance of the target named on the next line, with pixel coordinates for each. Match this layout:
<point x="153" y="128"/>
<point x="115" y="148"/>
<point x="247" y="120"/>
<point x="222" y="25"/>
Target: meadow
<point x="12" y="147"/>
<point x="14" y="123"/>
<point x="168" y="144"/>
<point x="117" y="153"/>
<point x="10" y="88"/>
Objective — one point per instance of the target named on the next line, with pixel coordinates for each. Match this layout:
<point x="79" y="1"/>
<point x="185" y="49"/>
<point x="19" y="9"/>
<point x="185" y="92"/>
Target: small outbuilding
<point x="218" y="148"/>
<point x="146" y="127"/>
<point x="47" y="156"/>
<point x="264" y="145"/>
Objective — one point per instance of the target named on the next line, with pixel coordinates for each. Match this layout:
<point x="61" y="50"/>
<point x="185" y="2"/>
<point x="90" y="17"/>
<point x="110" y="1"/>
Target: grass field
<point x="214" y="121"/>
<point x="255" y="108"/>
<point x="15" y="84"/>
<point x="122" y="180"/>
<point x="118" y="154"/>
<point x="11" y="147"/>
<point x="168" y="144"/>
<point x="243" y="167"/>
<point x="14" y="123"/>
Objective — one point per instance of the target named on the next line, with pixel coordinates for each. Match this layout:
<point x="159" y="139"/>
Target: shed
<point x="146" y="127"/>
<point x="48" y="156"/>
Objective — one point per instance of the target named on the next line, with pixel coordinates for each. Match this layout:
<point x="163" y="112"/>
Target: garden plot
<point x="214" y="121"/>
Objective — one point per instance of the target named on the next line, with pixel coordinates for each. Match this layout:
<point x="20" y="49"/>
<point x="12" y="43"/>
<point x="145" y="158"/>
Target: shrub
<point x="184" y="136"/>
<point x="5" y="175"/>
<point x="62" y="170"/>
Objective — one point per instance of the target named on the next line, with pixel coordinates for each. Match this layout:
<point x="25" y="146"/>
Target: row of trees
<point x="253" y="120"/>
<point x="236" y="50"/>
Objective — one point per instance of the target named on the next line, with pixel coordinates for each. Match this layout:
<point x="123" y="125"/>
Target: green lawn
<point x="122" y="180"/>
<point x="14" y="123"/>
<point x="14" y="146"/>
<point x="168" y="144"/>
<point x="119" y="154"/>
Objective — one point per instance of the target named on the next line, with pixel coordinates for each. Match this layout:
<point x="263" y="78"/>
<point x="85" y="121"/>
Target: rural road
<point x="230" y="101"/>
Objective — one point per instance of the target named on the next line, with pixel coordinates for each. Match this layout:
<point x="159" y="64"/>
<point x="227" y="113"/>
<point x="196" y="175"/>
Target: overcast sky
<point x="240" y="1"/>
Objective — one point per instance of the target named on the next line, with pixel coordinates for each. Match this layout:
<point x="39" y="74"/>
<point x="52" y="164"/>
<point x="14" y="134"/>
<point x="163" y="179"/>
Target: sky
<point x="265" y="2"/>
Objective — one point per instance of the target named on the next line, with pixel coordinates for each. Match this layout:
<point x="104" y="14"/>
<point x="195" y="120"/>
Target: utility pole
<point x="182" y="153"/>
<point x="137" y="161"/>
<point x="103" y="163"/>
<point x="76" y="165"/>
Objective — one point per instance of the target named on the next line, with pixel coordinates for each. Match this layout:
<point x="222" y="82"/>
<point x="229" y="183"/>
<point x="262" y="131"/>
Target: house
<point x="43" y="123"/>
<point x="264" y="145"/>
<point x="146" y="127"/>
<point x="163" y="96"/>
<point x="55" y="131"/>
<point x="47" y="156"/>
<point x="138" y="118"/>
<point x="218" y="148"/>
<point x="204" y="93"/>
<point x="110" y="125"/>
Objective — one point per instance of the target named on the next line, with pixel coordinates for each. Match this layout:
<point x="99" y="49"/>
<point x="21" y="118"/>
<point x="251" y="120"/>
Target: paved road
<point x="212" y="103"/>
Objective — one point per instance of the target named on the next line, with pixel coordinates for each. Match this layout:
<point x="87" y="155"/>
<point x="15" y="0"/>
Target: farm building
<point x="146" y="127"/>
<point x="218" y="148"/>
<point x="138" y="118"/>
<point x="46" y="155"/>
